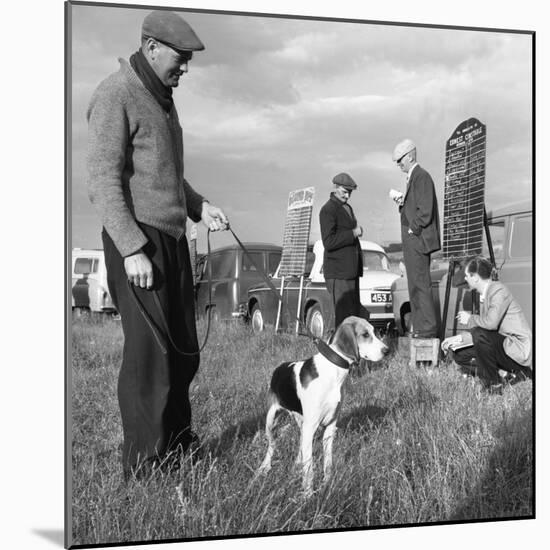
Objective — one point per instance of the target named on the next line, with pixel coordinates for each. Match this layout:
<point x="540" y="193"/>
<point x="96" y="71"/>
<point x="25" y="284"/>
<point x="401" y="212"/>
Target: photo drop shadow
<point x="57" y="536"/>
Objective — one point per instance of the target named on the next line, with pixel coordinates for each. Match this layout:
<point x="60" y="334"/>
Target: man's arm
<point x="424" y="193"/>
<point x="334" y="238"/>
<point x="491" y="316"/>
<point x="107" y="141"/>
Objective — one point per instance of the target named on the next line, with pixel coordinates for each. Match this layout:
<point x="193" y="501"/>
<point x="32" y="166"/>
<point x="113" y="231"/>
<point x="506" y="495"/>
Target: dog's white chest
<point x="321" y="399"/>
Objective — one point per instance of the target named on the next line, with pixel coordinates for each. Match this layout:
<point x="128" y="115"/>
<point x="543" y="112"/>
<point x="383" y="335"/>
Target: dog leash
<point x="322" y="346"/>
<point x="166" y="328"/>
<point x="258" y="269"/>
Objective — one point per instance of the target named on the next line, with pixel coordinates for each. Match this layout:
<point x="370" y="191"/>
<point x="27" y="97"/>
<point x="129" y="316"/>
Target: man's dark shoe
<point x="512" y="378"/>
<point x="191" y="441"/>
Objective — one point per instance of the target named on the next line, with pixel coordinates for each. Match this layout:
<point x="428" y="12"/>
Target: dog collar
<point x="327" y="352"/>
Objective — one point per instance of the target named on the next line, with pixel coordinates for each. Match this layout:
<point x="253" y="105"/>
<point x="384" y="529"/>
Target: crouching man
<point x="500" y="336"/>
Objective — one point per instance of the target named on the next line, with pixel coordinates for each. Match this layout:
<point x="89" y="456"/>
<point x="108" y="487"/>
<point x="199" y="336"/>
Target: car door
<point x="516" y="272"/>
<point x="222" y="266"/>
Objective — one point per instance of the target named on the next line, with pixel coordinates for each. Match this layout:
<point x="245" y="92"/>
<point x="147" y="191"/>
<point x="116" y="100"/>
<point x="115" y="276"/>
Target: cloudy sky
<point x="277" y="104"/>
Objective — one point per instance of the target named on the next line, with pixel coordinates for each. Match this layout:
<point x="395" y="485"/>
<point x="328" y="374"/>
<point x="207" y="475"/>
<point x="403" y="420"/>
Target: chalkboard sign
<point x="297" y="228"/>
<point x="464" y="198"/>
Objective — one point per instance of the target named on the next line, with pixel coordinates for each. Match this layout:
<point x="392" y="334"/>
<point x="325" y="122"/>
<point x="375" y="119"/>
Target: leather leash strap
<point x="161" y="341"/>
<point x="323" y="348"/>
<point x="258" y="269"/>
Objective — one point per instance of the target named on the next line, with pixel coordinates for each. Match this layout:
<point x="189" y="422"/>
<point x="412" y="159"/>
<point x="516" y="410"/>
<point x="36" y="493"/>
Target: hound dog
<point x="311" y="391"/>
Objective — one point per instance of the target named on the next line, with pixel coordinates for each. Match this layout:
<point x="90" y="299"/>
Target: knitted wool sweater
<point x="135" y="163"/>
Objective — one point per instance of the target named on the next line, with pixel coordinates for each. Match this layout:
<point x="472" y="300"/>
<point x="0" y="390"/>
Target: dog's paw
<point x="263" y="469"/>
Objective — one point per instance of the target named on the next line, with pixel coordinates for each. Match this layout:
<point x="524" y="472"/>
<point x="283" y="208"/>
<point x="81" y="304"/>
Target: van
<point x="89" y="282"/>
<point x="511" y="230"/>
<point x="232" y="275"/>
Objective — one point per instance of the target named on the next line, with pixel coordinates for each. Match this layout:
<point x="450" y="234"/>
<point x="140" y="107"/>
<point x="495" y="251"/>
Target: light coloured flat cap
<point x="402" y="148"/>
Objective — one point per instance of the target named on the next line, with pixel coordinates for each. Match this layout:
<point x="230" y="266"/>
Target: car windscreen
<point x="497" y="229"/>
<point x="223" y="265"/>
<point x="83" y="266"/>
<point x="375" y="261"/>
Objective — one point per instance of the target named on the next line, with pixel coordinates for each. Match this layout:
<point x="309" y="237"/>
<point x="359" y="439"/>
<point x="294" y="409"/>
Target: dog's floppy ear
<point x="345" y="340"/>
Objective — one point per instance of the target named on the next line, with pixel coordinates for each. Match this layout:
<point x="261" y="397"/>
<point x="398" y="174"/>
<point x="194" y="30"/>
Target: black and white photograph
<point x="320" y="316"/>
<point x="299" y="299"/>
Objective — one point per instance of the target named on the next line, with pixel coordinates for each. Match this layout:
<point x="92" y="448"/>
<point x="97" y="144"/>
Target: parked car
<point x="89" y="282"/>
<point x="511" y="230"/>
<point x="232" y="275"/>
<point x="316" y="310"/>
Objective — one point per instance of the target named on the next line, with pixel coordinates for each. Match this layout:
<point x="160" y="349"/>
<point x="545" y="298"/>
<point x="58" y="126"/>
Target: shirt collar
<point x="410" y="170"/>
<point x="483" y="295"/>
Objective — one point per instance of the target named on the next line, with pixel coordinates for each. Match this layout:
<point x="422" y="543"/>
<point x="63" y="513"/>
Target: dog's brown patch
<point x="308" y="372"/>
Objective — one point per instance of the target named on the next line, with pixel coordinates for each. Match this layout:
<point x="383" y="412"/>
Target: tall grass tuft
<point x="413" y="445"/>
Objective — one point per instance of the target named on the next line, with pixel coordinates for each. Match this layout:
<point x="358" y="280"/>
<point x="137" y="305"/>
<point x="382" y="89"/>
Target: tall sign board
<point x="464" y="197"/>
<point x="296" y="234"/>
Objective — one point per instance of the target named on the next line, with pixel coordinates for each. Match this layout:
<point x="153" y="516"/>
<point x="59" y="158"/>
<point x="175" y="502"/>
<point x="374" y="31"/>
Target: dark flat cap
<point x="344" y="180"/>
<point x="171" y="29"/>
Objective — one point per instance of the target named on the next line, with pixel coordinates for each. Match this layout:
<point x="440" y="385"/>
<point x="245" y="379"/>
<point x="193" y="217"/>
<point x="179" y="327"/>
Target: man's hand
<point x="451" y="340"/>
<point x="213" y="217"/>
<point x="463" y="317"/>
<point x="358" y="231"/>
<point x="139" y="270"/>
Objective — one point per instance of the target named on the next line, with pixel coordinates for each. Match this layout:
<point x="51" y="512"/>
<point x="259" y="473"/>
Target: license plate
<point x="380" y="297"/>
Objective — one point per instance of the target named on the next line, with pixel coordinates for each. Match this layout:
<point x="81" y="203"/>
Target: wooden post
<point x="450" y="274"/>
<point x="299" y="304"/>
<point x="279" y="307"/>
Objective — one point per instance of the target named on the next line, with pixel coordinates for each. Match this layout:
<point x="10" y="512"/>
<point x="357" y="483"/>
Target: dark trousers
<point x="153" y="387"/>
<point x="417" y="264"/>
<point x="488" y="356"/>
<point x="345" y="298"/>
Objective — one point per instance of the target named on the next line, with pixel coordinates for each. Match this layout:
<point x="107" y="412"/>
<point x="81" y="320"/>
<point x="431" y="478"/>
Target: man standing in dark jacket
<point x="343" y="259"/>
<point x="420" y="237"/>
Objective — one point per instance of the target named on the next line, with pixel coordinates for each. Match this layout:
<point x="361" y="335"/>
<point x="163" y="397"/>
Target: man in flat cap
<point x="343" y="258"/>
<point x="420" y="237"/>
<point x="136" y="181"/>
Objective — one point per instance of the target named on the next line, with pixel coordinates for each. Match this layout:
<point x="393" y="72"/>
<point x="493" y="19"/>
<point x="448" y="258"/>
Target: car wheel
<point x="257" y="319"/>
<point x="315" y="321"/>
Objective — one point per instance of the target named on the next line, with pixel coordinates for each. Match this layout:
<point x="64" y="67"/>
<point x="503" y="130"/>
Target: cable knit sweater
<point x="135" y="163"/>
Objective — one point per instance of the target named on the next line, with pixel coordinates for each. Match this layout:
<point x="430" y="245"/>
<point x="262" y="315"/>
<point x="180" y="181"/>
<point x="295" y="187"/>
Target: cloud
<point x="275" y="104"/>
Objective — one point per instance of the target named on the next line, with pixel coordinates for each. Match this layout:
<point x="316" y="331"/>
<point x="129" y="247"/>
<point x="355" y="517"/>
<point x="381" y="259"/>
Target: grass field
<point x="413" y="446"/>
